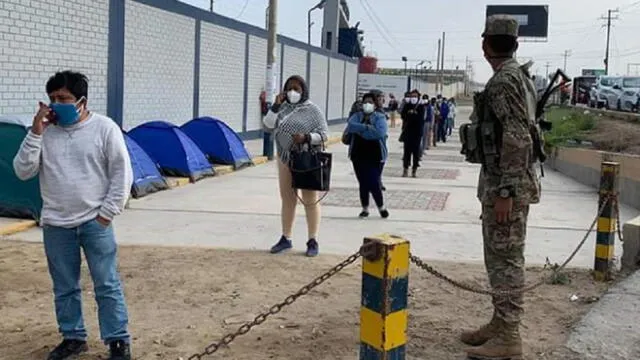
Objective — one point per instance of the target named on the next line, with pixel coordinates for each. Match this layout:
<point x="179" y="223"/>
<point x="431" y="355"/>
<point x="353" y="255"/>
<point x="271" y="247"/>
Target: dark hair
<point x="425" y="97"/>
<point x="406" y="94"/>
<point x="75" y="82"/>
<point x="370" y="95"/>
<point x="415" y="91"/>
<point x="303" y="84"/>
<point x="502" y="44"/>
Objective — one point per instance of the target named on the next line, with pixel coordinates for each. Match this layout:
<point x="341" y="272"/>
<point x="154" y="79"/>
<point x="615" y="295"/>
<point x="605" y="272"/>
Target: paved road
<point x="438" y="211"/>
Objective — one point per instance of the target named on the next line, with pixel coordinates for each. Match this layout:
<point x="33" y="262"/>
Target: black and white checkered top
<point x="290" y="119"/>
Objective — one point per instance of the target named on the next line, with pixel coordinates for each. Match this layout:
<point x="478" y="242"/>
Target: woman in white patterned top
<point x="296" y="120"/>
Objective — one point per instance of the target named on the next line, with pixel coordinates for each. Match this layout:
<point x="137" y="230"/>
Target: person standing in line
<point x="85" y="179"/>
<point x="442" y="126"/>
<point x="508" y="184"/>
<point x="379" y="103"/>
<point x="297" y="122"/>
<point x="368" y="153"/>
<point x="428" y="123"/>
<point x="393" y="109"/>
<point x="412" y="131"/>
<point x="451" y="119"/>
<point x="433" y="137"/>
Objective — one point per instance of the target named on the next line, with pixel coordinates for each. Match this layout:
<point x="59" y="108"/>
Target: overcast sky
<point x="412" y="27"/>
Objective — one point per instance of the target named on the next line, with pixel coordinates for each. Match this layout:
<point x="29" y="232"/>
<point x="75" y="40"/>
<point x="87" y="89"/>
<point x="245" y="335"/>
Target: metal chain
<point x="246" y="327"/>
<point x="483" y="291"/>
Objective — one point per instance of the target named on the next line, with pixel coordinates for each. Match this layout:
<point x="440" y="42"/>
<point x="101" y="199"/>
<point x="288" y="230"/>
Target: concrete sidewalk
<point x="438" y="211"/>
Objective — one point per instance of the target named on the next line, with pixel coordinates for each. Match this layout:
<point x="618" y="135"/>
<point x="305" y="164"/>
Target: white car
<point x="606" y="92"/>
<point x="630" y="98"/>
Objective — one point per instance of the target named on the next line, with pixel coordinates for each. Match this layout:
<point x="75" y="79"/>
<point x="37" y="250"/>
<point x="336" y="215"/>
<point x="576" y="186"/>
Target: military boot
<point x="405" y="173"/>
<point x="481" y="335"/>
<point x="505" y="345"/>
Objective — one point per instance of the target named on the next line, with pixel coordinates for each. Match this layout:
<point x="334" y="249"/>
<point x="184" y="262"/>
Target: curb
<point x="174" y="182"/>
<point x="17" y="227"/>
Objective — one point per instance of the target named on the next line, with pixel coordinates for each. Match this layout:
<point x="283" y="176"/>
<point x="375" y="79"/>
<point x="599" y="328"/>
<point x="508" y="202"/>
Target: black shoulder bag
<point x="310" y="169"/>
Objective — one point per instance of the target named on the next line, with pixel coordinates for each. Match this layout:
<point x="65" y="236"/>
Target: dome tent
<point x="218" y="141"/>
<point x="18" y="199"/>
<point x="146" y="175"/>
<point x="172" y="150"/>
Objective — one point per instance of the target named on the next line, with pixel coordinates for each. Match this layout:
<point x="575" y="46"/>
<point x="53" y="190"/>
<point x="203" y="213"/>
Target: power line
<point x="244" y="7"/>
<point x="375" y="15"/>
<point x="377" y="26"/>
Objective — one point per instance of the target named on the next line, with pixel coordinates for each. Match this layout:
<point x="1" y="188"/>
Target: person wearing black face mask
<point x="412" y="133"/>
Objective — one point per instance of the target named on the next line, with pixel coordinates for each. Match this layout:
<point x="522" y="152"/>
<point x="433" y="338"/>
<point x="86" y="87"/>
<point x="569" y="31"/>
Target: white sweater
<point x="84" y="169"/>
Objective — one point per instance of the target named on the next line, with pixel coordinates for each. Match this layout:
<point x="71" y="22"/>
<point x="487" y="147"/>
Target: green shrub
<point x="568" y="126"/>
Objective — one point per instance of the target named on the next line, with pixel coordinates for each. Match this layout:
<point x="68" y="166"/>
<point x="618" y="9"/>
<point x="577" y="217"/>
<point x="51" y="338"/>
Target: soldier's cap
<point x="501" y="24"/>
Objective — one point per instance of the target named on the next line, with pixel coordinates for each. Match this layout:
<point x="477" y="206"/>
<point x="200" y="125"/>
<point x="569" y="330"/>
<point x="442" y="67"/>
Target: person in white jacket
<point x="85" y="179"/>
<point x="451" y="120"/>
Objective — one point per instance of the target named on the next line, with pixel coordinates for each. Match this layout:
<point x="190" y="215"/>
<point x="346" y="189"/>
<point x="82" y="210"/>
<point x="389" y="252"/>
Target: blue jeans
<point x="62" y="247"/>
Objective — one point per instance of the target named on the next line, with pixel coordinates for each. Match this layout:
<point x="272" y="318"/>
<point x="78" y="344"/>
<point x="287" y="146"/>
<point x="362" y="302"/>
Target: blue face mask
<point x="66" y="114"/>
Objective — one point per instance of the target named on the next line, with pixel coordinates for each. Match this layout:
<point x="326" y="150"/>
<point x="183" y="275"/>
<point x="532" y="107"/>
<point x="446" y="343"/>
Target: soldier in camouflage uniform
<point x="508" y="184"/>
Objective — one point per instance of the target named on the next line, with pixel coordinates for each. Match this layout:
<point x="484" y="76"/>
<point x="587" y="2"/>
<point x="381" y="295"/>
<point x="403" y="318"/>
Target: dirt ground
<point x="616" y="136"/>
<point x="181" y="299"/>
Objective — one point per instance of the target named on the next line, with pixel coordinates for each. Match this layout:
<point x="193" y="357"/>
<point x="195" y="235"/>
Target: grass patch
<point x="569" y="125"/>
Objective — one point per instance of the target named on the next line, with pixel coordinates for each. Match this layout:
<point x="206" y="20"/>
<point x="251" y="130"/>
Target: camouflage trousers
<point x="504" y="258"/>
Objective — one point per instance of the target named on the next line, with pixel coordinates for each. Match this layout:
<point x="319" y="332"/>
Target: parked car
<point x="606" y="92"/>
<point x="630" y="98"/>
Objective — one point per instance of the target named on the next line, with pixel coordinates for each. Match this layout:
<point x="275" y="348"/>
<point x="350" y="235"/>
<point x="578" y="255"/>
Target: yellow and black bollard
<point x="383" y="312"/>
<point x="605" y="238"/>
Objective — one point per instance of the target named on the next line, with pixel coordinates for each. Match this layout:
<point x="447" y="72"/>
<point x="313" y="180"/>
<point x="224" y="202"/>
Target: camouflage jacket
<point x="510" y="103"/>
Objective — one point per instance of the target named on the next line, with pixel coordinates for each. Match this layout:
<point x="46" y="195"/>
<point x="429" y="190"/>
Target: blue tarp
<point x="146" y="176"/>
<point x="218" y="141"/>
<point x="172" y="150"/>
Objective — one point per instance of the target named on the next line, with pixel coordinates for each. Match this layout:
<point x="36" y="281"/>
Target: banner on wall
<point x="388" y="84"/>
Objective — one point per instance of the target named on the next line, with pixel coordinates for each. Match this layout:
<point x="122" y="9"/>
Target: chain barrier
<point x="366" y="250"/>
<point x="483" y="291"/>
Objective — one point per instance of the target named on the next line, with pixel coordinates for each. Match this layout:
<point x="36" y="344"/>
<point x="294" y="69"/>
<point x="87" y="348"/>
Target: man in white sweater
<point x="85" y="179"/>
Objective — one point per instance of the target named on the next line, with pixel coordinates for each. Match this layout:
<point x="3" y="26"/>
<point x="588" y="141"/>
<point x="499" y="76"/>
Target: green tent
<point x="18" y="199"/>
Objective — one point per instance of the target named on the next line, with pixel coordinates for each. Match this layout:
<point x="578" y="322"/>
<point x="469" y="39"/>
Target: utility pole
<point x="272" y="75"/>
<point x="547" y="65"/>
<point x="438" y="65"/>
<point x="566" y="54"/>
<point x="442" y="67"/>
<point x="606" y="56"/>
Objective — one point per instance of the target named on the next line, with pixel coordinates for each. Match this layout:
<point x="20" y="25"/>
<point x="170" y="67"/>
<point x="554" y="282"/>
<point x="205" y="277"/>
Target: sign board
<point x="388" y="84"/>
<point x="533" y="19"/>
<point x="593" y="72"/>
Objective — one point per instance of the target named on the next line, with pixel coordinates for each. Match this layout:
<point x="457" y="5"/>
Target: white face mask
<point x="294" y="96"/>
<point x="414" y="101"/>
<point x="407" y="100"/>
<point x="368" y="108"/>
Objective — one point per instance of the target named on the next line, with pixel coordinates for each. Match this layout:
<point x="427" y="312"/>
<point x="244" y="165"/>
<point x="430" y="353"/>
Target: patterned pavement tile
<point x="394" y="199"/>
<point x="432" y="157"/>
<point x="437" y="174"/>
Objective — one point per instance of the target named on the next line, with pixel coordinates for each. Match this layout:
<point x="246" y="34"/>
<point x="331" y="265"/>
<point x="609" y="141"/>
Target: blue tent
<point x="146" y="176"/>
<point x="172" y="150"/>
<point x="218" y="141"/>
<point x="19" y="199"/>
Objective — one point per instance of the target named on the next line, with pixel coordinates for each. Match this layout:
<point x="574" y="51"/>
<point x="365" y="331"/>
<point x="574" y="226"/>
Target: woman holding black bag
<point x="366" y="135"/>
<point x="297" y="123"/>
